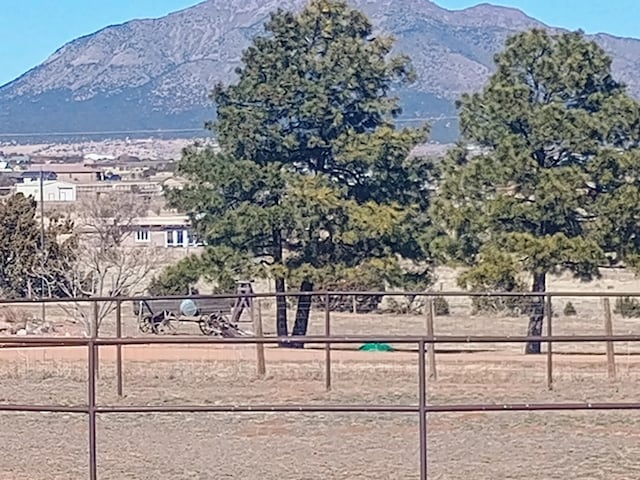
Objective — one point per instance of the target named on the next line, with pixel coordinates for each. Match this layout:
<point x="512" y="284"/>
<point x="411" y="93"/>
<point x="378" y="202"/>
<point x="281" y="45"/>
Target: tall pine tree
<point x="557" y="138"/>
<point x="313" y="183"/>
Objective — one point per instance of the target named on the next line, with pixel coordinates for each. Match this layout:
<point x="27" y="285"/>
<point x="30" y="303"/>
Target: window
<point x="142" y="235"/>
<point x="177" y="237"/>
<point x="193" y="239"/>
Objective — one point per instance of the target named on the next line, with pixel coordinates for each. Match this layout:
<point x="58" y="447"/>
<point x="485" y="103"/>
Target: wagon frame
<point x="158" y="316"/>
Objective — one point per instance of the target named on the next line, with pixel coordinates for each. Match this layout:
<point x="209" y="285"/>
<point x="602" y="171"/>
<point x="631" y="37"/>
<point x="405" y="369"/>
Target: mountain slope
<point x="156" y="73"/>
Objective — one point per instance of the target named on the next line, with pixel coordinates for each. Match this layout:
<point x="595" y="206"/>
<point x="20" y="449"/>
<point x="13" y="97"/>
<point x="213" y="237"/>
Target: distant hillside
<point x="156" y="74"/>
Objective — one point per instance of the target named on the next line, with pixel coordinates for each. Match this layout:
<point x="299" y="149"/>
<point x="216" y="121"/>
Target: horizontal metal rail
<point x="34" y="342"/>
<point x="323" y="293"/>
<point x="323" y="408"/>
<point x="43" y="408"/>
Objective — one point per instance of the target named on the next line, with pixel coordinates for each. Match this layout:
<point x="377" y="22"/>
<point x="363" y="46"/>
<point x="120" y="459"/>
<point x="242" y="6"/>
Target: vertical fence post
<point x="119" y="348"/>
<point x="549" y="313"/>
<point x="92" y="364"/>
<point x="94" y="334"/>
<point x="327" y="346"/>
<point x="431" y="348"/>
<point x="608" y="331"/>
<point x="256" y="319"/>
<point x="422" y="407"/>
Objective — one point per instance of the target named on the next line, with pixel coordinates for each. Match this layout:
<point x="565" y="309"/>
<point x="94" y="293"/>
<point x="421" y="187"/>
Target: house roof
<point x="45" y="183"/>
<point x="162" y="221"/>
<point x="61" y="168"/>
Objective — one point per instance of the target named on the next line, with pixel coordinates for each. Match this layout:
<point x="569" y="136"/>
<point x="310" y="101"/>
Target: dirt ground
<point x="505" y="445"/>
<point x="478" y="446"/>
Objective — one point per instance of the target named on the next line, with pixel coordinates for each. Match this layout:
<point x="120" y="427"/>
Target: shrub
<point x="178" y="279"/>
<point x="628" y="307"/>
<point x="440" y="306"/>
<point x="496" y="272"/>
<point x="569" y="310"/>
<point x="344" y="303"/>
<point x="402" y="308"/>
<point x="14" y="315"/>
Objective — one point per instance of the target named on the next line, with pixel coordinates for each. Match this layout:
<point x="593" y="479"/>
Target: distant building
<point x="20" y="159"/>
<point x="68" y="172"/>
<point x="141" y="188"/>
<point x="53" y="190"/>
<point x="162" y="231"/>
<point x="169" y="231"/>
<point x="35" y="176"/>
<point x="96" y="157"/>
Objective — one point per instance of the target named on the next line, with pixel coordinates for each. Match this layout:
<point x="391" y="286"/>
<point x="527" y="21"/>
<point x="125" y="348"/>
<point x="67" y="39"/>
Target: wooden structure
<point x="214" y="316"/>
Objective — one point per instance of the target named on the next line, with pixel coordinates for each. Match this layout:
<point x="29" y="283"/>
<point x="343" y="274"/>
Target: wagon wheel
<point x="162" y="324"/>
<point x="228" y="329"/>
<point x="162" y="328"/>
<point x="145" y="324"/>
<point x="209" y="325"/>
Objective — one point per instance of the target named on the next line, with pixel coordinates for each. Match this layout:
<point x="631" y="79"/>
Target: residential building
<point x="142" y="188"/>
<point x="168" y="231"/>
<point x="162" y="231"/>
<point x="53" y="190"/>
<point x="66" y="172"/>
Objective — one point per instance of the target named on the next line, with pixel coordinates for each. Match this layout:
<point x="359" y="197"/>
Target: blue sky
<point x="31" y="30"/>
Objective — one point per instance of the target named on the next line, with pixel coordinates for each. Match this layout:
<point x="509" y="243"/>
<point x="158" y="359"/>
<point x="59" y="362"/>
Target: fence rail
<point x="422" y="408"/>
<point x="324" y="293"/>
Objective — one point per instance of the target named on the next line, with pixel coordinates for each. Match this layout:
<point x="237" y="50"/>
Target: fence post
<point x="91" y="410"/>
<point x="422" y="407"/>
<point x="354" y="304"/>
<point x="549" y="313"/>
<point x="431" y="348"/>
<point x="119" y="348"/>
<point x="257" y="329"/>
<point x="327" y="346"/>
<point x="608" y="331"/>
<point x="94" y="334"/>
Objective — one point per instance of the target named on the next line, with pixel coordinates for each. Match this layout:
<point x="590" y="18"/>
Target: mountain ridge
<point x="157" y="73"/>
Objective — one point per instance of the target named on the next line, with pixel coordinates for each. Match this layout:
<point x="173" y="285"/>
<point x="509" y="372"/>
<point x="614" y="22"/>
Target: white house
<point x="54" y="190"/>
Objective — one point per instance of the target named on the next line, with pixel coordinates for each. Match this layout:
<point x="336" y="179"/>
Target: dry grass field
<point x="479" y="446"/>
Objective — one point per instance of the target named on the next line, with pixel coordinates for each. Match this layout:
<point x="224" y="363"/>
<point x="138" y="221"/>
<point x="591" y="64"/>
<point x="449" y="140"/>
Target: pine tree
<point x="550" y="153"/>
<point x="313" y="183"/>
<point x="21" y="252"/>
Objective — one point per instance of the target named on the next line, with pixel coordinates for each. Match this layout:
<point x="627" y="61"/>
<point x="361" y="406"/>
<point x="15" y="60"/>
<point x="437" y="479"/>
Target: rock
<point x="31" y="328"/>
<point x="22" y="332"/>
<point x="46" y="327"/>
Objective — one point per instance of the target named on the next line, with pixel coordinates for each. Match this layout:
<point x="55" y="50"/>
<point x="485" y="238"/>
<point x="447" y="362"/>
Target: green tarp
<point x="376" y="347"/>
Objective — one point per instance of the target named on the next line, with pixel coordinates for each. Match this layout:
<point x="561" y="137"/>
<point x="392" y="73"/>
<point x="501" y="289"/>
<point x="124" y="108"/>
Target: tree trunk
<point x="302" y="314"/>
<point x="282" y="327"/>
<point x="536" y="319"/>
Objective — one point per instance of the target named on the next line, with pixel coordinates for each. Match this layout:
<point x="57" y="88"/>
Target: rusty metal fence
<point x="422" y="409"/>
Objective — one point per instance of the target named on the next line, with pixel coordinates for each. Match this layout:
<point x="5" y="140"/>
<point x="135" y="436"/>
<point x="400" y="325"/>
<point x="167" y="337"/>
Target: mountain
<point x="156" y="73"/>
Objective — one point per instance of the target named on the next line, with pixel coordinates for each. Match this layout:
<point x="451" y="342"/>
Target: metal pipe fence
<point x="423" y="408"/>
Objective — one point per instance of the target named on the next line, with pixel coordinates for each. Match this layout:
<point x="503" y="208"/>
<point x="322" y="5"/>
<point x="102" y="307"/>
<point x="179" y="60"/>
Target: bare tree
<point x="106" y="263"/>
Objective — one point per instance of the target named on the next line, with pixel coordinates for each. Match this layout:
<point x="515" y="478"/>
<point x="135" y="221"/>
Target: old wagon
<point x="214" y="316"/>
